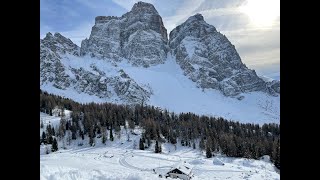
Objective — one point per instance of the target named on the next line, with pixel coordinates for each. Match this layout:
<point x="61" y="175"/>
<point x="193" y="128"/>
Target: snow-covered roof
<point x="183" y="167"/>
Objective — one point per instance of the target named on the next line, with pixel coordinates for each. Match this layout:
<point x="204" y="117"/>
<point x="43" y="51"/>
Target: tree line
<point x="208" y="134"/>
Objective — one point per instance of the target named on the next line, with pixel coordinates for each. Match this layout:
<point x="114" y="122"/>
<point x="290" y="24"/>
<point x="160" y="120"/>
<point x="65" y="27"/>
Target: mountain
<point x="61" y="68"/>
<point x="138" y="36"/>
<point x="208" y="58"/>
<point x="129" y="59"/>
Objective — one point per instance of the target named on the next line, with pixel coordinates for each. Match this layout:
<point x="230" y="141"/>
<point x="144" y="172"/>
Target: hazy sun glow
<point x="262" y="13"/>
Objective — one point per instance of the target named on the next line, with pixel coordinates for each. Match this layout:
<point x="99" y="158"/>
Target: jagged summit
<point x="197" y="17"/>
<point x="143" y="7"/>
<point x="60" y="44"/>
<point x="49" y="34"/>
<point x="104" y="19"/>
<point x="194" y="26"/>
<point x="138" y="36"/>
<point x="209" y="59"/>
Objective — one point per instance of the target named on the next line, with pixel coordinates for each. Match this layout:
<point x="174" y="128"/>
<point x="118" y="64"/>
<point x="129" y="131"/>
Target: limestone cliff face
<point x="208" y="58"/>
<point x="138" y="36"/>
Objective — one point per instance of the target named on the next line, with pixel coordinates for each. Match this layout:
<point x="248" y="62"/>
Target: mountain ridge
<point x="138" y="39"/>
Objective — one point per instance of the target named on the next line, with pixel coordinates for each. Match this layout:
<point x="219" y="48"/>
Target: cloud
<point x="257" y="48"/>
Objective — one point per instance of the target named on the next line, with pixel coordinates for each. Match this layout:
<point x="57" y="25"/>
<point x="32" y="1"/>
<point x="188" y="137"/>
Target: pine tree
<point x="131" y="124"/>
<point x="148" y="141"/>
<point x="277" y="155"/>
<point x="82" y="135"/>
<point x="44" y="137"/>
<point x="50" y="140"/>
<point x="141" y="145"/>
<point x="201" y="144"/>
<point x="53" y="132"/>
<point x="91" y="141"/>
<point x="156" y="147"/>
<point x="182" y="142"/>
<point x="194" y="145"/>
<point x="74" y="135"/>
<point x="41" y="124"/>
<point x="62" y="127"/>
<point x="111" y="135"/>
<point x="104" y="136"/>
<point x="69" y="138"/>
<point x="49" y="133"/>
<point x="208" y="148"/>
<point x="208" y="152"/>
<point x="54" y="145"/>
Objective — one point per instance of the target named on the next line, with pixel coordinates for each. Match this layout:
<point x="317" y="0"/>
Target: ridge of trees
<point x="209" y="134"/>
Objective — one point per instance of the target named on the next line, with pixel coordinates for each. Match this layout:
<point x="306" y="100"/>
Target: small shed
<point x="181" y="170"/>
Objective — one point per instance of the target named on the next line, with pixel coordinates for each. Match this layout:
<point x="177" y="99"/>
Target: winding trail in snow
<point x="122" y="161"/>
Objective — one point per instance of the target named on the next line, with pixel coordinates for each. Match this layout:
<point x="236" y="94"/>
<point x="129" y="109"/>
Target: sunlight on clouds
<point x="261" y="12"/>
<point x="257" y="47"/>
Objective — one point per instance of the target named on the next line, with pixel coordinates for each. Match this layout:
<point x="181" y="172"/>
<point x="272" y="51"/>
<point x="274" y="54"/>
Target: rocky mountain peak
<point x="138" y="36"/>
<point x="209" y="59"/>
<point x="104" y="19"/>
<point x="60" y="44"/>
<point x="197" y="17"/>
<point x="143" y="7"/>
<point x="194" y="26"/>
<point x="48" y="35"/>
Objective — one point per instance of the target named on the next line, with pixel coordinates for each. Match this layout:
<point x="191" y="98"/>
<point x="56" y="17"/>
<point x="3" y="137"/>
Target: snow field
<point x="118" y="160"/>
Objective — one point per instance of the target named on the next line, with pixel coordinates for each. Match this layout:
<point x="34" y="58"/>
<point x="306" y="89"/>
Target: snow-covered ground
<point x="175" y="92"/>
<point x="119" y="160"/>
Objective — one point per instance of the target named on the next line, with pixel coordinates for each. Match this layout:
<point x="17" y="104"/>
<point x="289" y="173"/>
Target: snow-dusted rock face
<point x="138" y="35"/>
<point x="56" y="50"/>
<point x="51" y="68"/>
<point x="208" y="58"/>
<point x="60" y="44"/>
<point x="274" y="86"/>
<point x="119" y="87"/>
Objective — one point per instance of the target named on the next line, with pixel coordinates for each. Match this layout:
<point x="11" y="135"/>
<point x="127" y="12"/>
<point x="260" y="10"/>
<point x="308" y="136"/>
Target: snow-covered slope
<point x="120" y="160"/>
<point x="170" y="89"/>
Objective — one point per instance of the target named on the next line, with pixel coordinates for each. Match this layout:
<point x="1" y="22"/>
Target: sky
<point x="253" y="26"/>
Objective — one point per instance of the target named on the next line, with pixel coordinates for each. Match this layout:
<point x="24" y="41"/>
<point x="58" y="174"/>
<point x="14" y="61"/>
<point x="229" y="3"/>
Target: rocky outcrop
<point x="119" y="87"/>
<point x="56" y="50"/>
<point x="208" y="58"/>
<point x="51" y="68"/>
<point x="138" y="36"/>
<point x="60" y="44"/>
